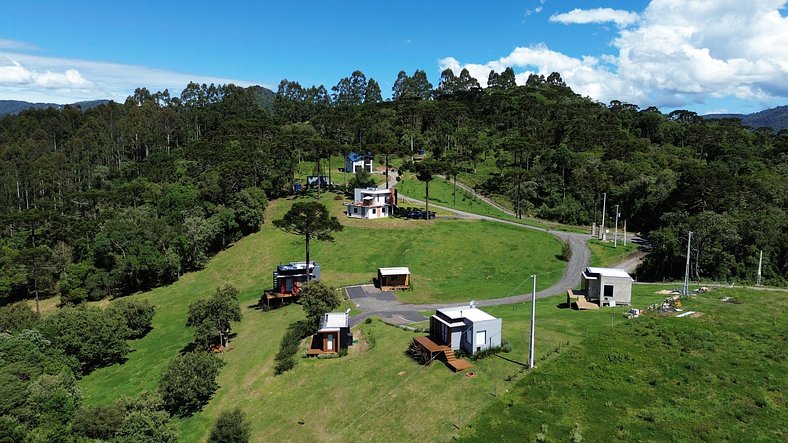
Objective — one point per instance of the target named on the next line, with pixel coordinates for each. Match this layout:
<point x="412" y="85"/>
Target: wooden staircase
<point x="457" y="364"/>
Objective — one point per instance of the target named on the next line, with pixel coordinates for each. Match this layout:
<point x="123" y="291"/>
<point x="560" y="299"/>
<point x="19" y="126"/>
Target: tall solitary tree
<point x="310" y="219"/>
<point x="425" y="170"/>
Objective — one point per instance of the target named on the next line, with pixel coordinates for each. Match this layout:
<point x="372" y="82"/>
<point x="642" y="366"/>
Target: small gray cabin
<point x="607" y="286"/>
<point x="465" y="328"/>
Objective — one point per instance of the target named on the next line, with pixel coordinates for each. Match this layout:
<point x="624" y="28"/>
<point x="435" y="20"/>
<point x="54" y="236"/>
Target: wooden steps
<point x="456" y="364"/>
<point x="435" y="350"/>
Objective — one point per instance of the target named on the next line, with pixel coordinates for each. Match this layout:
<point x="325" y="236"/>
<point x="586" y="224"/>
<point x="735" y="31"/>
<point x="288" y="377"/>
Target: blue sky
<point x="702" y="55"/>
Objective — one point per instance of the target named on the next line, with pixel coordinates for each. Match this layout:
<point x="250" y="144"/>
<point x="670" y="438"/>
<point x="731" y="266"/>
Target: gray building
<point x="465" y="328"/>
<point x="607" y="286"/>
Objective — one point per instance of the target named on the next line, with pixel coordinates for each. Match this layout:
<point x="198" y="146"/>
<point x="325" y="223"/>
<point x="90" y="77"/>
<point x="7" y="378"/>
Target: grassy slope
<point x="442" y="193"/>
<point x="248" y="265"/>
<point x="380" y="394"/>
<point x="720" y="377"/>
<point x="604" y="254"/>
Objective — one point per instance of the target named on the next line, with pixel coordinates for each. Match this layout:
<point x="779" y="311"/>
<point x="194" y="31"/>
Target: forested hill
<point x="775" y="118"/>
<point x="264" y="95"/>
<point x="124" y="197"/>
<point x="15" y="106"/>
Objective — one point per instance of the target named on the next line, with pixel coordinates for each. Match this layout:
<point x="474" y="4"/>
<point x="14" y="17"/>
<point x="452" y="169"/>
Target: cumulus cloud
<point x="56" y="80"/>
<point x="597" y="15"/>
<point x="675" y="53"/>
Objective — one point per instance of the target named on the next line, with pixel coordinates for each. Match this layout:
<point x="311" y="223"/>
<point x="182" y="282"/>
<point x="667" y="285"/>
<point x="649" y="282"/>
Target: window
<point x="608" y="291"/>
<point x="355" y="210"/>
<point x="330" y="342"/>
<point x="374" y="211"/>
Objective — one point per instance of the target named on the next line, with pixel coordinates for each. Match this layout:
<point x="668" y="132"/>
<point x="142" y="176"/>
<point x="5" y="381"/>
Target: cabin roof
<point x="394" y="271"/>
<point x="607" y="272"/>
<point x="333" y="321"/>
<point x="460" y="312"/>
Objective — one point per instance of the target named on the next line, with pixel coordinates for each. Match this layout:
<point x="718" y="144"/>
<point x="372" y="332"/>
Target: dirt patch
<point x="361" y="344"/>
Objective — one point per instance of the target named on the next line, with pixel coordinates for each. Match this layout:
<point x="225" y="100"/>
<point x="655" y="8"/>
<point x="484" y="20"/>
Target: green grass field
<point x="718" y="377"/>
<point x="442" y="193"/>
<point x="605" y="254"/>
<point x="450" y="260"/>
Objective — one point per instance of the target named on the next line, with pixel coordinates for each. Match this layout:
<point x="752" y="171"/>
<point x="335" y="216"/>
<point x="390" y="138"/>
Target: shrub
<point x="91" y="335"/>
<point x="135" y="313"/>
<point x="283" y="365"/>
<point x="189" y="382"/>
<point x="16" y="317"/>
<point x="566" y="252"/>
<point x="504" y="347"/>
<point x="100" y="422"/>
<point x="145" y="420"/>
<point x="230" y="428"/>
<point x="296" y="332"/>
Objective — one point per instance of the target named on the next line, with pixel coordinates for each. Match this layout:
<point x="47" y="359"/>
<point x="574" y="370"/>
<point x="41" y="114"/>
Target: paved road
<point x="388" y="307"/>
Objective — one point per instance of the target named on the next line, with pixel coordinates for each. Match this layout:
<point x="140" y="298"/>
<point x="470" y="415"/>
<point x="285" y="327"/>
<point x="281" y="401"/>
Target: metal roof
<point x="296" y="265"/>
<point x="333" y="321"/>
<point x="472" y="314"/>
<point x="608" y="272"/>
<point x="354" y="157"/>
<point x="394" y="271"/>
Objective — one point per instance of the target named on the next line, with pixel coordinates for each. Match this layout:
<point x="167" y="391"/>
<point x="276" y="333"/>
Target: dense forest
<point x="124" y="197"/>
<point x="121" y="198"/>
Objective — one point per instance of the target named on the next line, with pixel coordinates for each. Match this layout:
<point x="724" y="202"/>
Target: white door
<point x="481" y="339"/>
<point x="330" y="342"/>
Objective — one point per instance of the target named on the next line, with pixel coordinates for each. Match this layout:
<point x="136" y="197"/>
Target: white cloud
<point x="56" y="80"/>
<point x="598" y="15"/>
<point x="678" y="53"/>
<point x="16" y="45"/>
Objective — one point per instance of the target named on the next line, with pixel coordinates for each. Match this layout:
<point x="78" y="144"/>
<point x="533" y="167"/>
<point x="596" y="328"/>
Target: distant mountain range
<point x="264" y="95"/>
<point x="15" y="106"/>
<point x="775" y="118"/>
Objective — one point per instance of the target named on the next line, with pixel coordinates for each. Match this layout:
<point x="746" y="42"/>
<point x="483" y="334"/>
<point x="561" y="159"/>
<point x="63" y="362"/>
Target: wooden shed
<point x="393" y="278"/>
<point x="333" y="336"/>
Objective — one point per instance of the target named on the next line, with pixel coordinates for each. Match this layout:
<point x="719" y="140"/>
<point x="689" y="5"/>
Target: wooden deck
<point x="318" y="351"/>
<point x="436" y="350"/>
<point x="282" y="297"/>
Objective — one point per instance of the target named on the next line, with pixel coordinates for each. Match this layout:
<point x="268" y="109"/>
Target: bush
<point x="504" y="347"/>
<point x="296" y="332"/>
<point x="135" y="313"/>
<point x="566" y="252"/>
<point x="230" y="428"/>
<point x="145" y="420"/>
<point x="189" y="382"/>
<point x="16" y="317"/>
<point x="283" y="365"/>
<point x="100" y="422"/>
<point x="91" y="335"/>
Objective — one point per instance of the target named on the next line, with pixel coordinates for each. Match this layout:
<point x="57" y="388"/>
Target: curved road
<point x="393" y="309"/>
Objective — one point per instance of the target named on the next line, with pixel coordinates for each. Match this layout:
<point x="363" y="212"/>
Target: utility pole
<point x="625" y="232"/>
<point x="602" y="235"/>
<point x="533" y="318"/>
<point x="687" y="268"/>
<point x="615" y="234"/>
<point x="760" y="262"/>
